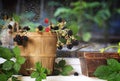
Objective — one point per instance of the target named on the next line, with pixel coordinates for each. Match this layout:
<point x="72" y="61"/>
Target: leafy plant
<point x="12" y="63"/>
<point x="84" y="14"/>
<point x="39" y="72"/>
<point x="61" y="68"/>
<point x="109" y="72"/>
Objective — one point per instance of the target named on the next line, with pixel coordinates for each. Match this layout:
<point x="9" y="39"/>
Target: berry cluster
<point x="62" y="33"/>
<point x="21" y="40"/>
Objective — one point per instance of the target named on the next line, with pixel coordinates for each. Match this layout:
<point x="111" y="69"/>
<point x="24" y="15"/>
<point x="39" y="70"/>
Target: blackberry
<point x="70" y="33"/>
<point x="75" y="42"/>
<point x="40" y="27"/>
<point x="9" y="26"/>
<point x="59" y="19"/>
<point x="24" y="38"/>
<point x="76" y="74"/>
<point x="60" y="47"/>
<point x="17" y="37"/>
<point x="56" y="28"/>
<point x="19" y="42"/>
<point x="26" y="28"/>
<point x="69" y="46"/>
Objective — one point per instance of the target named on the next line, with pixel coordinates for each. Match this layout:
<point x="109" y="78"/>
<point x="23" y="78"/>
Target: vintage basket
<point x="41" y="47"/>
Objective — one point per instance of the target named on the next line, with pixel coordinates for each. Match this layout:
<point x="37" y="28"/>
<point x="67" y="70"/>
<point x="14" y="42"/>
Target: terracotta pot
<point x="41" y="47"/>
<point x="91" y="60"/>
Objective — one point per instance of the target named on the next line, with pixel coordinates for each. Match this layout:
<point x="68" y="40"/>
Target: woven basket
<point x="41" y="47"/>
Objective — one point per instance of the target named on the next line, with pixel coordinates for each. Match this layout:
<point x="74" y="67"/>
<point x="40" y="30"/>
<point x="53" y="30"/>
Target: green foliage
<point x="10" y="67"/>
<point x="62" y="68"/>
<point x="40" y="72"/>
<point x="109" y="72"/>
<point x="86" y="14"/>
<point x="26" y="19"/>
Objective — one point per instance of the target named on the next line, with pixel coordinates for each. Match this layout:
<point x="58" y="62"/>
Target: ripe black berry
<point x="40" y="27"/>
<point x="60" y="47"/>
<point x="69" y="46"/>
<point x="56" y="28"/>
<point x="24" y="38"/>
<point x="75" y="42"/>
<point x="76" y="74"/>
<point x="26" y="28"/>
<point x="59" y="19"/>
<point x="9" y="26"/>
<point x="70" y="33"/>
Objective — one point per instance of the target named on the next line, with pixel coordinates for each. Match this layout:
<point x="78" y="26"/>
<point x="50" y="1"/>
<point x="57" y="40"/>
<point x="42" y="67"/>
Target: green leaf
<point x="47" y="71"/>
<point x="38" y="79"/>
<point x="113" y="64"/>
<point x="56" y="65"/>
<point x="86" y="36"/>
<point x="62" y="63"/>
<point x="17" y="67"/>
<point x="61" y="11"/>
<point x="16" y="17"/>
<point x="3" y="77"/>
<point x="38" y="66"/>
<point x="43" y="75"/>
<point x="34" y="74"/>
<point x="20" y="60"/>
<point x="7" y="65"/>
<point x="56" y="72"/>
<point x="15" y="79"/>
<point x="42" y="69"/>
<point x="66" y="69"/>
<point x="118" y="10"/>
<point x="6" y="53"/>
<point x="16" y="51"/>
<point x="103" y="72"/>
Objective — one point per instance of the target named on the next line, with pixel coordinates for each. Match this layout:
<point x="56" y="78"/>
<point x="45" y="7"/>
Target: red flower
<point x="46" y="20"/>
<point x="47" y="29"/>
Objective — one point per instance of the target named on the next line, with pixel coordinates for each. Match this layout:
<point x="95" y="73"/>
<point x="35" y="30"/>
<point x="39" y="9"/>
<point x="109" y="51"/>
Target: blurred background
<point x="90" y="20"/>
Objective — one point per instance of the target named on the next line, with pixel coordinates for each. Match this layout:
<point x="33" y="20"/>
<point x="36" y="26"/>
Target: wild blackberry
<point x="40" y="27"/>
<point x="24" y="38"/>
<point x="75" y="42"/>
<point x="26" y="28"/>
<point x="69" y="46"/>
<point x="56" y="28"/>
<point x="70" y="33"/>
<point x="9" y="26"/>
<point x="59" y="19"/>
<point x="76" y="74"/>
<point x="60" y="47"/>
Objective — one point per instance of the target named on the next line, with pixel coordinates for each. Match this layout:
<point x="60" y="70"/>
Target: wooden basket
<point x="41" y="47"/>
